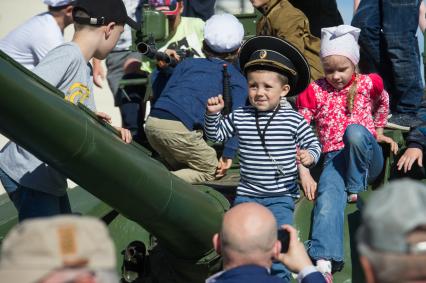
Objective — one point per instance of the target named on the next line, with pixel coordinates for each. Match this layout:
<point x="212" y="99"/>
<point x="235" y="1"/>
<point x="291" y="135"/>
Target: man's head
<point x="62" y="247"/>
<point x="56" y="5"/>
<point x="170" y="8"/>
<point x="105" y="19"/>
<point x="223" y="35"/>
<point x="61" y="10"/>
<point x="259" y="3"/>
<point x="392" y="237"/>
<point x="248" y="236"/>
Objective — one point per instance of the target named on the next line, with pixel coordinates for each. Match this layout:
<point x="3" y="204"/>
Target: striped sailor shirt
<point x="270" y="172"/>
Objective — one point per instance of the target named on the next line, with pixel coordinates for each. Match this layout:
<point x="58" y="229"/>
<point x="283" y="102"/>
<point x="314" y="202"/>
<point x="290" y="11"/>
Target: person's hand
<point x="222" y="166"/>
<point x="304" y="157"/>
<point x="98" y="72"/>
<point x="104" y="117"/>
<point x="215" y="104"/>
<point x="390" y="141"/>
<point x="125" y="134"/>
<point x="132" y="66"/>
<point x="296" y="257"/>
<point x="410" y="156"/>
<point x="308" y="183"/>
<point x="172" y="53"/>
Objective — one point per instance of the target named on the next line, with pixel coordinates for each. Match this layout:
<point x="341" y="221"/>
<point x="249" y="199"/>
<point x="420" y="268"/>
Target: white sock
<point x="324" y="266"/>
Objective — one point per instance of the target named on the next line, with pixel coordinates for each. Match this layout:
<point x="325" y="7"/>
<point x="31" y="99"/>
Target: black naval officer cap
<point x="275" y="54"/>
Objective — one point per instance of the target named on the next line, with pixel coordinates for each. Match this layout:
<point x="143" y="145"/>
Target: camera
<point x="284" y="238"/>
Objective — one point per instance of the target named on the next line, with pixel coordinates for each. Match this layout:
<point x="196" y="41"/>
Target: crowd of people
<point x="258" y="97"/>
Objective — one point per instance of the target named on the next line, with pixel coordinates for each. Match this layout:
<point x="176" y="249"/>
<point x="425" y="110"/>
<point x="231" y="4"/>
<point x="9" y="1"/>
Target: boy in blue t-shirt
<point x="174" y="127"/>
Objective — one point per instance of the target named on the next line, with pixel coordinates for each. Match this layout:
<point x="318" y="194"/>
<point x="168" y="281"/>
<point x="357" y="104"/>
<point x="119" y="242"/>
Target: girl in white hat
<point x="350" y="111"/>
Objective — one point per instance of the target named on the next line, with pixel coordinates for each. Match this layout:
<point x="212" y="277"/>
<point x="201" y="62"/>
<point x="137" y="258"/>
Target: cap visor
<point x="134" y="25"/>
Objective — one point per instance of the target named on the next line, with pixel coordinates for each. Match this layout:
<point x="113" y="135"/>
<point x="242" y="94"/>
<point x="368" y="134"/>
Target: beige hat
<point x="36" y="247"/>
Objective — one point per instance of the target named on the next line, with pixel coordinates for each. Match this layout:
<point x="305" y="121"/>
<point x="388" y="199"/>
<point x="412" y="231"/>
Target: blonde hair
<point x="353" y="90"/>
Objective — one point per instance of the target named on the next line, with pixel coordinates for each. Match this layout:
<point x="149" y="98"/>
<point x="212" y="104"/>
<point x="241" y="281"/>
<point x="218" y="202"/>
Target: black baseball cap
<point x="103" y="12"/>
<point x="278" y="55"/>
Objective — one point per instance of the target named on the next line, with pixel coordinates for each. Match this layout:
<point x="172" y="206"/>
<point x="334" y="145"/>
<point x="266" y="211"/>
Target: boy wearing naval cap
<point x="174" y="127"/>
<point x="269" y="131"/>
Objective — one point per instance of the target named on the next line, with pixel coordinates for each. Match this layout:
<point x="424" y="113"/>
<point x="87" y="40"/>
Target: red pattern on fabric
<point x="327" y="107"/>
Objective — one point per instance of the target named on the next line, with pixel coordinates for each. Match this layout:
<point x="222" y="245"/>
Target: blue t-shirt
<point x="192" y="83"/>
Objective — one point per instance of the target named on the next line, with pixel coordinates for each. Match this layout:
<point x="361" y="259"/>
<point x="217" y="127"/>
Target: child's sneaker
<point x="324" y="266"/>
<point x="352" y="198"/>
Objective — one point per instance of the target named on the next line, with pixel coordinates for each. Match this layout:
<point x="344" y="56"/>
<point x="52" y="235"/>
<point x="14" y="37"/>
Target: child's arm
<point x="217" y="127"/>
<point x="125" y="134"/>
<point x="308" y="183"/>
<point x="380" y="137"/>
<point x="380" y="99"/>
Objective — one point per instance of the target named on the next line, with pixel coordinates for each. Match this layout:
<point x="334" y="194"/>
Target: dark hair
<point x="227" y="56"/>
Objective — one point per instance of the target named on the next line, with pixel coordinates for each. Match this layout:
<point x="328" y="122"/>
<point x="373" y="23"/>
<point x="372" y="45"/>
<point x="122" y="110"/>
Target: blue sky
<point x="346" y="10"/>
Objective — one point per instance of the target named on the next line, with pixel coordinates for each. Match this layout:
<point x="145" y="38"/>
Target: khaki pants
<point x="186" y="152"/>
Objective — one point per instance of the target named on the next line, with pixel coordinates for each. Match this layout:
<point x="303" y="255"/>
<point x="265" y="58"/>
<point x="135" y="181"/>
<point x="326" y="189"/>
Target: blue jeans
<point x="389" y="47"/>
<point x="346" y="170"/>
<point x="282" y="208"/>
<point x="32" y="203"/>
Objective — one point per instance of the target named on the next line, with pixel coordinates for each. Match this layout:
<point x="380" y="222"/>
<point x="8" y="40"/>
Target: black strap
<point x="262" y="135"/>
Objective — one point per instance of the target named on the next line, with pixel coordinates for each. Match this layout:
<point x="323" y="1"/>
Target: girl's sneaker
<point x="328" y="277"/>
<point x="352" y="198"/>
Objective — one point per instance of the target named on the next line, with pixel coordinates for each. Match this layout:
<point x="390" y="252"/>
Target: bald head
<point x="249" y="231"/>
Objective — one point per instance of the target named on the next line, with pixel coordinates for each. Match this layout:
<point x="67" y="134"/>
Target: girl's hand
<point x="126" y="136"/>
<point x="304" y="157"/>
<point x="410" y="156"/>
<point x="215" y="104"/>
<point x="308" y="183"/>
<point x="104" y="117"/>
<point x="385" y="139"/>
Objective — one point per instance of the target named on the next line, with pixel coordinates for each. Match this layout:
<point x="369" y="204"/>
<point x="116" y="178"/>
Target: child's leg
<point x="364" y="158"/>
<point x="282" y="208"/>
<point x="186" y="152"/>
<point x="39" y="204"/>
<point x="329" y="211"/>
<point x="11" y="187"/>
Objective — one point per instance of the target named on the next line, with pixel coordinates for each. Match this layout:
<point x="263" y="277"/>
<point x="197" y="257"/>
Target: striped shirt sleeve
<point x="306" y="139"/>
<point x="218" y="128"/>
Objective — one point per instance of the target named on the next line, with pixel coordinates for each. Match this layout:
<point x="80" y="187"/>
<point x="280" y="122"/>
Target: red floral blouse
<point x="326" y="105"/>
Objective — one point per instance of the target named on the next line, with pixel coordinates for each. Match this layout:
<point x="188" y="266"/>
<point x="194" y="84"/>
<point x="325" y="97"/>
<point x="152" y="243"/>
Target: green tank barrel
<point x="32" y="113"/>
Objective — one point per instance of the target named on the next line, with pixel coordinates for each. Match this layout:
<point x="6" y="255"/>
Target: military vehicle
<point x="161" y="225"/>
